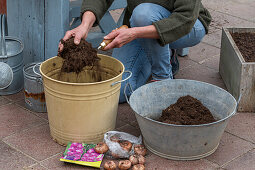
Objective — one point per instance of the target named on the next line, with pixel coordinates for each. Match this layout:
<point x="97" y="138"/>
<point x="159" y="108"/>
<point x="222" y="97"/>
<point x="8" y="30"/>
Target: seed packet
<point x="82" y="154"/>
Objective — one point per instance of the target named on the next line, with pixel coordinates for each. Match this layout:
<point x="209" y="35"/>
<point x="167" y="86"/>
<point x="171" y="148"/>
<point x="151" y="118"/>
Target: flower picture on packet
<point x="82" y="154"/>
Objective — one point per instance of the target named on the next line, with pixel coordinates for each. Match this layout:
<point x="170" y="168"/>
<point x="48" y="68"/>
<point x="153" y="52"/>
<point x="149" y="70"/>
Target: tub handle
<point x="127" y="71"/>
<point x="38" y="64"/>
<point x="39" y="80"/>
<point x="130" y="88"/>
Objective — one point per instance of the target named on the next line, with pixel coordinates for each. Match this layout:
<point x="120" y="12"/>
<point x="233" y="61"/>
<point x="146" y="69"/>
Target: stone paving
<point x="25" y="141"/>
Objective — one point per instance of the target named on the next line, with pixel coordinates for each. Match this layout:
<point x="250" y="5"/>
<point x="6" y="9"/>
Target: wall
<point x="2" y="6"/>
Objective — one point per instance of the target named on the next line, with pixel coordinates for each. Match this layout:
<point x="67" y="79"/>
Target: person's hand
<point x="121" y="37"/>
<point x="78" y="33"/>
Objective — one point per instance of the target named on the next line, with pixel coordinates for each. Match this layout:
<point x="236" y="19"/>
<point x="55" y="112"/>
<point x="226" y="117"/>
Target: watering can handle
<point x="125" y="88"/>
<point x="124" y="79"/>
<point x="3" y="26"/>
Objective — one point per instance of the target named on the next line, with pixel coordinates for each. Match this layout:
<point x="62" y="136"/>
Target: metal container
<point x="237" y="74"/>
<point x="12" y="55"/>
<point x="181" y="142"/>
<point x="82" y="107"/>
<point x="6" y="75"/>
<point x="33" y="88"/>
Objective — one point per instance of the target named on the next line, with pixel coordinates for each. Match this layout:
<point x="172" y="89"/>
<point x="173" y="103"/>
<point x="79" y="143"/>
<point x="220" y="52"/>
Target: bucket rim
<point x="21" y="45"/>
<point x="82" y="84"/>
<point x="200" y="125"/>
<point x="27" y="66"/>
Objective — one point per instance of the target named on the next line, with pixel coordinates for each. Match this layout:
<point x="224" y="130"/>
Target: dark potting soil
<point x="76" y="57"/>
<point x="187" y="111"/>
<point x="245" y="43"/>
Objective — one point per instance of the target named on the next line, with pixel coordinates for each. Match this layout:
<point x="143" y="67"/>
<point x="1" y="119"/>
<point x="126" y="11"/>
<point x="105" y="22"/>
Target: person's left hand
<point x="121" y="37"/>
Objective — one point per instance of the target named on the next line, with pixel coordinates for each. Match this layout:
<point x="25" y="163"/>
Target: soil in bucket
<point x="245" y="43"/>
<point x="76" y="57"/>
<point x="187" y="111"/>
<point x="80" y="63"/>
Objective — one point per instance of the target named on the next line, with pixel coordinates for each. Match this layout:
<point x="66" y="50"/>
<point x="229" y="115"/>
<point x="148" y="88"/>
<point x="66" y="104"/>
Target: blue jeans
<point x="145" y="57"/>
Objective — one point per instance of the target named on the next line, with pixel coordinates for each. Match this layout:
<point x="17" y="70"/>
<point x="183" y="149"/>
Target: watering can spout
<point x="11" y="60"/>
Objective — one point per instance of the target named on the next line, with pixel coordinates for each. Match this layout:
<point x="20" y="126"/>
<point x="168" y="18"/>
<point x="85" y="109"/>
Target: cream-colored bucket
<point x="83" y="111"/>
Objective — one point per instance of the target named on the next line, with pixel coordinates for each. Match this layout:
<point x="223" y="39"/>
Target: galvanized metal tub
<point x="14" y="59"/>
<point x="181" y="142"/>
<point x="33" y="88"/>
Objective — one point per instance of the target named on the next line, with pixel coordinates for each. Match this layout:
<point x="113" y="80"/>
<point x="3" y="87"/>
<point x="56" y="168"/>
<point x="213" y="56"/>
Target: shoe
<point x="151" y="81"/>
<point x="174" y="62"/>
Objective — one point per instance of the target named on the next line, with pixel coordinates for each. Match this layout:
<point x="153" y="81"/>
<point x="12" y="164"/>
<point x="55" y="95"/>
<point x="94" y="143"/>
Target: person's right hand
<point x="78" y="33"/>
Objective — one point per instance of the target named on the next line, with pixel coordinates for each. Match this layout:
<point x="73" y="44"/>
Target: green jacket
<point x="183" y="17"/>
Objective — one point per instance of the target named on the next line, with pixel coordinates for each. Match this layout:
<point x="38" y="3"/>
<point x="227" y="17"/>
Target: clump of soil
<point x="76" y="57"/>
<point x="245" y="43"/>
<point x="187" y="111"/>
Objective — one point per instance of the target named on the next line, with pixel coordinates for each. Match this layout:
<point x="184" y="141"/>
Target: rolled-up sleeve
<point x="180" y="22"/>
<point x="98" y="7"/>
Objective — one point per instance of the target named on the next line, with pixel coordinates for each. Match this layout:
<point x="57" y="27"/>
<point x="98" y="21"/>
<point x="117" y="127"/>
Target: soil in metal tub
<point x="187" y="111"/>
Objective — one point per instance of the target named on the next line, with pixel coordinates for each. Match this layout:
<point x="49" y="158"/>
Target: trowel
<point x="105" y="42"/>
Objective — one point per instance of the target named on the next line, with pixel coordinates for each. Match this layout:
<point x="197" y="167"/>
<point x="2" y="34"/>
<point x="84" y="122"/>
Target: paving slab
<point x="212" y="62"/>
<point x="220" y="20"/>
<point x="231" y="7"/>
<point x="212" y="28"/>
<point x="19" y="100"/>
<point x="248" y="2"/>
<point x="125" y="113"/>
<point x="35" y="167"/>
<point x="54" y="163"/>
<point x="246" y="161"/>
<point x="135" y="124"/>
<point x="11" y="159"/>
<point x="201" y="73"/>
<point x="213" y="39"/>
<point x="243" y="126"/>
<point x="230" y="147"/>
<point x="15" y="119"/>
<point x="130" y="129"/>
<point x="119" y="122"/>
<point x="43" y="115"/>
<point x="16" y="97"/>
<point x="185" y="62"/>
<point x="4" y="101"/>
<point x="116" y="14"/>
<point x="35" y="142"/>
<point x="202" y="52"/>
<point x="157" y="163"/>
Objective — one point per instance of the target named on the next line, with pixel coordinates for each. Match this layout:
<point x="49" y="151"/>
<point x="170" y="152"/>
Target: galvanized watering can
<point x="6" y="74"/>
<point x="11" y="61"/>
